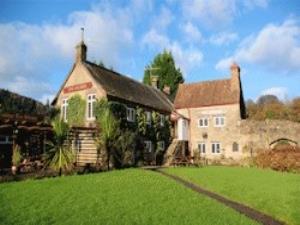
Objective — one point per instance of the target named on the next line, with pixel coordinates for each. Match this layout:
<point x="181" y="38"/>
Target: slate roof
<point x="128" y="89"/>
<point x="207" y="93"/>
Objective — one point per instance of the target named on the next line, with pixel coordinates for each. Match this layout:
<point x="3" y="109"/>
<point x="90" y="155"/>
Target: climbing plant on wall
<point x="76" y="110"/>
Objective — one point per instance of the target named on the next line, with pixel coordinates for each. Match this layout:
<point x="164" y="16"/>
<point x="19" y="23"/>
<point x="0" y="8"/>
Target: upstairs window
<point x="148" y="118"/>
<point x="148" y="146"/>
<point x="219" y="121"/>
<point x="203" y="122"/>
<point x="216" y="147"/>
<point x="130" y="114"/>
<point x="201" y="147"/>
<point x="161" y="145"/>
<point x="64" y="109"/>
<point x="91" y="105"/>
<point x="162" y="120"/>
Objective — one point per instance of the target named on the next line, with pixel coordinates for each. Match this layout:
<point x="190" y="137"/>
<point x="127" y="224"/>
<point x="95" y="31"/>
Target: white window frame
<point x="203" y="119"/>
<point x="91" y="100"/>
<point x="161" y="145"/>
<point x="162" y="120"/>
<point x="148" y="146"/>
<point x="130" y="112"/>
<point x="7" y="140"/>
<point x="215" y="150"/>
<point x="218" y="119"/>
<point x="201" y="147"/>
<point x="148" y="118"/>
<point x="64" y="109"/>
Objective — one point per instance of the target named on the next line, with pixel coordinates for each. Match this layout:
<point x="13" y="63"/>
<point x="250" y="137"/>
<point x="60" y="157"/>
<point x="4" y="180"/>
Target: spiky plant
<point x="59" y="156"/>
<point x="109" y="130"/>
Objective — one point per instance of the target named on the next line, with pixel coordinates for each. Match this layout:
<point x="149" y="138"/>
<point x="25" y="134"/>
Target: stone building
<point x="211" y="119"/>
<point x="93" y="82"/>
<point x="211" y="113"/>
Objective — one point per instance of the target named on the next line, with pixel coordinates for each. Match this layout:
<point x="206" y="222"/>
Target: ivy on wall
<point x="76" y="110"/>
<point x="143" y="131"/>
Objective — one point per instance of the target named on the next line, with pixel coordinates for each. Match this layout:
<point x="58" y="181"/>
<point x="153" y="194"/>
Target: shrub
<point x="285" y="158"/>
<point x="16" y="157"/>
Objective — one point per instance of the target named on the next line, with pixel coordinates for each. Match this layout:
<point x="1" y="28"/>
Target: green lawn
<point x="275" y="193"/>
<point x="130" y="196"/>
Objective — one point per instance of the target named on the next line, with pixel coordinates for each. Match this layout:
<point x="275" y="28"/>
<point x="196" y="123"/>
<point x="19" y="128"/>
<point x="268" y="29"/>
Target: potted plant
<point x="16" y="159"/>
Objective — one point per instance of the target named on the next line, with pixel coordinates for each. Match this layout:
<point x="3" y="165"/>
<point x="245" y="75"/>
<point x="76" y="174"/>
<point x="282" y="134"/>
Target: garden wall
<point x="257" y="135"/>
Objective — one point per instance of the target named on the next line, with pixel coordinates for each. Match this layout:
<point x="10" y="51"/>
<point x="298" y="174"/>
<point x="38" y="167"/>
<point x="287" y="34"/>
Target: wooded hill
<point x="13" y="103"/>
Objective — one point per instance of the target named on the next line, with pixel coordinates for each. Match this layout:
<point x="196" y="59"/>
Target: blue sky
<point x="37" y="40"/>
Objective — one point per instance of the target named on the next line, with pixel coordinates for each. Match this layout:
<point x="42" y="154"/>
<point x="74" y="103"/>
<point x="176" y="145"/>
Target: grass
<point x="130" y="196"/>
<point x="275" y="193"/>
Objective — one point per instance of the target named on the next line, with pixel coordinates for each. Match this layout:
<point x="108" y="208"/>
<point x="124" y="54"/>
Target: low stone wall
<point x="257" y="135"/>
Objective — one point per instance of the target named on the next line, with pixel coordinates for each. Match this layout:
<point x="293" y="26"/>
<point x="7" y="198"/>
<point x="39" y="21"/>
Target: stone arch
<point x="283" y="140"/>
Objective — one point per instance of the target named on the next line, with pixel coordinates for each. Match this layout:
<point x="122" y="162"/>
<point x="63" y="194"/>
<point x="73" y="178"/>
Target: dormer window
<point x="203" y="122"/>
<point x="130" y="114"/>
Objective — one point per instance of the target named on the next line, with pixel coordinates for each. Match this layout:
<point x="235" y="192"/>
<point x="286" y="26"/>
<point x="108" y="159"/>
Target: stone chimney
<point x="167" y="90"/>
<point x="154" y="81"/>
<point x="81" y="49"/>
<point x="235" y="77"/>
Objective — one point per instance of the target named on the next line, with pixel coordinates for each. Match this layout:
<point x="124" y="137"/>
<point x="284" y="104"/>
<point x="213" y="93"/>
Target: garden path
<point x="246" y="210"/>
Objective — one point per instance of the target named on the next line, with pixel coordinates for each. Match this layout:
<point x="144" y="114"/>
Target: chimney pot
<point x="154" y="81"/>
<point x="167" y="90"/>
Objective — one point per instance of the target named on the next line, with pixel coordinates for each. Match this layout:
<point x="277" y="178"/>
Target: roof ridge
<point x="205" y="82"/>
<point x="124" y="76"/>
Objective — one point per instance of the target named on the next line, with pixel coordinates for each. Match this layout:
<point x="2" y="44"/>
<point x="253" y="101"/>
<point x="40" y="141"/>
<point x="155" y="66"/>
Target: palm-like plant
<point x="59" y="156"/>
<point x="109" y="130"/>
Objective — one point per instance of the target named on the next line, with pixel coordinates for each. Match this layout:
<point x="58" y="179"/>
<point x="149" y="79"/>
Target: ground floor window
<point x="216" y="147"/>
<point x="201" y="147"/>
<point x="4" y="140"/>
<point x="148" y="146"/>
<point x="235" y="147"/>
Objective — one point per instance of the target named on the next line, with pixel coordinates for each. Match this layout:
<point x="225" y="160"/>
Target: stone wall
<point x="249" y="135"/>
<point x="257" y="135"/>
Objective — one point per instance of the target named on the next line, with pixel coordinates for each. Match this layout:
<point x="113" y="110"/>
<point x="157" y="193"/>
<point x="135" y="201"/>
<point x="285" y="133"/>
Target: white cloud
<point x="153" y="39"/>
<point x="186" y="58"/>
<point x="192" y="33"/>
<point x="223" y="38"/>
<point x="275" y="47"/>
<point x="27" y="52"/>
<point x="164" y="19"/>
<point x="280" y="92"/>
<point x="210" y="12"/>
<point x="250" y="4"/>
<point x="218" y="12"/>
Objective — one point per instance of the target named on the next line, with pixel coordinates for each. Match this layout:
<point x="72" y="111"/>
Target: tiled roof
<point x="128" y="89"/>
<point x="208" y="93"/>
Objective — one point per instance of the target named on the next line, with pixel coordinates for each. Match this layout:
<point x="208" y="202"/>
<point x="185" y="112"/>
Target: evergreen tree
<point x="164" y="67"/>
